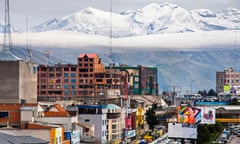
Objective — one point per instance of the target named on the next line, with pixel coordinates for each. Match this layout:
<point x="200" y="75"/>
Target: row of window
<point x="52" y="69"/>
<point x="66" y="92"/>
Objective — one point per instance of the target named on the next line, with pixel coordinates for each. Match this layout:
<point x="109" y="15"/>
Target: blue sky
<point x="39" y="11"/>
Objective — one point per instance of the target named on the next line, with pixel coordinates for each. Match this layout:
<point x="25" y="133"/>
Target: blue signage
<point x="130" y="133"/>
<point x="207" y="103"/>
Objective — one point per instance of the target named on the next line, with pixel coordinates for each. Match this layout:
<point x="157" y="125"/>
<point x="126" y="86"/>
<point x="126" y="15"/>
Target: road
<point x="234" y="140"/>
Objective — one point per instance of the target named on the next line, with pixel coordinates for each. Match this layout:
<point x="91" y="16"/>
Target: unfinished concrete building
<point x="18" y="79"/>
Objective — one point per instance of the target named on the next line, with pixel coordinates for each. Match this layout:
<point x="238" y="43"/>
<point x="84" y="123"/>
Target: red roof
<point x="88" y="55"/>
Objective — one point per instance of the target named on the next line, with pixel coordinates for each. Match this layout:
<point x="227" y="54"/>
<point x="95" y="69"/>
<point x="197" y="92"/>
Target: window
<point x="87" y="120"/>
<point x="51" y="75"/>
<point x="34" y="69"/>
<point x="43" y="86"/>
<point x="66" y="80"/>
<point x="58" y="74"/>
<point x="43" y="75"/>
<point x="65" y="74"/>
<point x="65" y="92"/>
<point x="73" y="92"/>
<point x="3" y="114"/>
<point x="73" y="80"/>
<point x="51" y="69"/>
<point x="73" y="86"/>
<point x="73" y="69"/>
<point x="43" y="80"/>
<point x="114" y="126"/>
<point x="58" y="69"/>
<point x="66" y="69"/>
<point x="73" y="75"/>
<point x="83" y="70"/>
<point x="66" y="86"/>
<point x="50" y="86"/>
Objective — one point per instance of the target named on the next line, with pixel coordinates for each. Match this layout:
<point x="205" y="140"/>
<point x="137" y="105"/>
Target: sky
<point x="39" y="11"/>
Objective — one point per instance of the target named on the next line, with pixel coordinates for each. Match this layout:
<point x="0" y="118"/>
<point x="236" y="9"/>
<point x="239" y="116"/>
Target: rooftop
<point x="8" y="56"/>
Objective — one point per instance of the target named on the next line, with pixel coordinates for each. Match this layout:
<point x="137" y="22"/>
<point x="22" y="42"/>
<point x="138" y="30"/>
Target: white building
<point x="97" y="116"/>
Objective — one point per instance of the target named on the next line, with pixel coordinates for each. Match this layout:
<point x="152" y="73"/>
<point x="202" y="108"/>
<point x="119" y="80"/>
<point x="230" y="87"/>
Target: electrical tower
<point x="7" y="41"/>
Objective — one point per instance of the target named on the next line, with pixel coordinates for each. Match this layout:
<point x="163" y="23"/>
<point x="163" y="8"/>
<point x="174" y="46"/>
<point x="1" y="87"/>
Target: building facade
<point x="18" y="81"/>
<point x="87" y="79"/>
<point x="141" y="80"/>
<point x="228" y="81"/>
<point x="94" y="115"/>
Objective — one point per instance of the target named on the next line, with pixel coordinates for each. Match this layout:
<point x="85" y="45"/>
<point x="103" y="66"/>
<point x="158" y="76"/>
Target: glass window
<point x="73" y="75"/>
<point x="66" y="80"/>
<point x="73" y="86"/>
<point x="51" y="75"/>
<point x="58" y="69"/>
<point x="73" y="92"/>
<point x="73" y="69"/>
<point x="51" y="69"/>
<point x="65" y="74"/>
<point x="65" y="92"/>
<point x="65" y="86"/>
<point x="73" y="80"/>
<point x="66" y="69"/>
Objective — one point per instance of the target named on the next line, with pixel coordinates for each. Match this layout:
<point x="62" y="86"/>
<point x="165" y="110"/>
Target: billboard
<point x="208" y="103"/>
<point x="208" y="115"/>
<point x="130" y="133"/>
<point x="231" y="89"/>
<point x="187" y="114"/>
<point x="180" y="130"/>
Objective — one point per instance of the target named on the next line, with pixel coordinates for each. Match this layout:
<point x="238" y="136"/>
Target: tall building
<point x="87" y="79"/>
<point x="18" y="79"/>
<point x="228" y="81"/>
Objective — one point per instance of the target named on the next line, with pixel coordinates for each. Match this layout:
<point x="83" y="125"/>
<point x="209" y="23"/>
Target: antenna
<point x="235" y="49"/>
<point x="7" y="42"/>
<point x="47" y="53"/>
<point x="29" y="54"/>
<point x="110" y="42"/>
<point x="110" y="31"/>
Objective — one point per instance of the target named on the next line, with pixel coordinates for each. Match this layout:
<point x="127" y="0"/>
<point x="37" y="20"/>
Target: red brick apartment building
<point x="88" y="78"/>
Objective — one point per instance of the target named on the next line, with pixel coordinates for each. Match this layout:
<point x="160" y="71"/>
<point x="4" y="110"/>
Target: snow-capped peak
<point x="153" y="18"/>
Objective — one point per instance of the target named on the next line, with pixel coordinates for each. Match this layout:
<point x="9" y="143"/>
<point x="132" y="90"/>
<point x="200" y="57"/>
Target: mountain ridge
<point x="153" y="18"/>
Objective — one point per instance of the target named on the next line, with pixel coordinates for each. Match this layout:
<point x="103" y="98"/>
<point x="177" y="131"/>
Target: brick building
<point x="87" y="79"/>
<point x="141" y="80"/>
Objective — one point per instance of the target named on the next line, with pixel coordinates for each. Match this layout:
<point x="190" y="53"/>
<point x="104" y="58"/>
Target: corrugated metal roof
<point x="10" y="139"/>
<point x="8" y="56"/>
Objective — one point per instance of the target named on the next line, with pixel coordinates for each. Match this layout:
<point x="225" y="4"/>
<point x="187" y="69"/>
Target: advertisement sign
<point x="190" y="115"/>
<point x="207" y="103"/>
<point x="130" y="133"/>
<point x="58" y="136"/>
<point x="231" y="89"/>
<point x="75" y="137"/>
<point x="179" y="130"/>
<point x="208" y="115"/>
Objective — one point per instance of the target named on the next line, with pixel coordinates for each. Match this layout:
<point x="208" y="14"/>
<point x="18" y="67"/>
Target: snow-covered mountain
<point x="152" y="19"/>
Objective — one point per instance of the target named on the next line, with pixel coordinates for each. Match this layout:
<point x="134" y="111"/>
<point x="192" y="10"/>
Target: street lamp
<point x="192" y="84"/>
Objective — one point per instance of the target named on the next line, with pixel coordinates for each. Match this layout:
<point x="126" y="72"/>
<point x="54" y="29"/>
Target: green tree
<point x="151" y="117"/>
<point x="212" y="92"/>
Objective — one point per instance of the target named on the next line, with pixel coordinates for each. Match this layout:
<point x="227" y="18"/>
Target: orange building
<point x="88" y="78"/>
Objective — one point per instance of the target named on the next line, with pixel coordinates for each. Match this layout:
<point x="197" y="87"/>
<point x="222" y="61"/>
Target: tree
<point x="212" y="92"/>
<point x="151" y="117"/>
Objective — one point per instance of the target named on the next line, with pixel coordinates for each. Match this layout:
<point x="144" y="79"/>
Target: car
<point x="238" y="133"/>
<point x="224" y="138"/>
